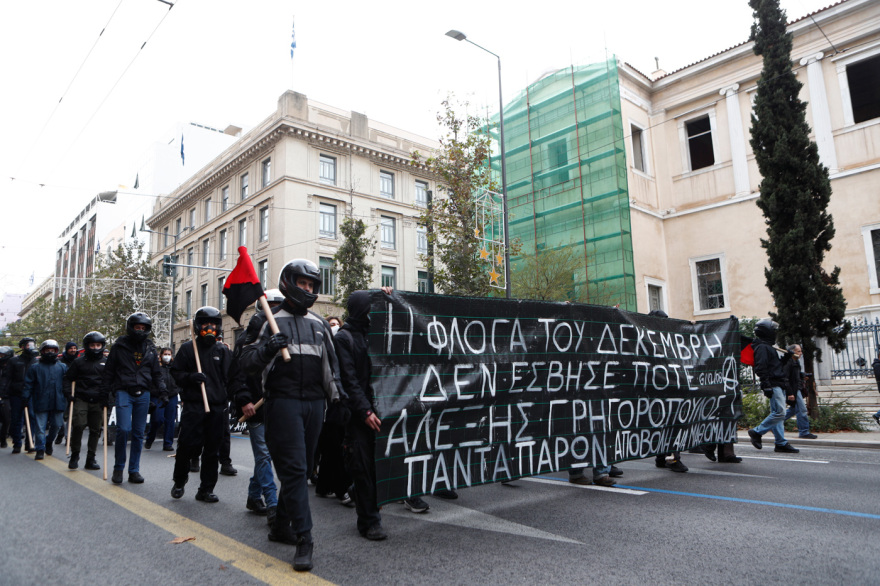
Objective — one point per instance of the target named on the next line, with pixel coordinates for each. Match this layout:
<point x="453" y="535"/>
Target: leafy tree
<point x="795" y="192"/>
<point x="549" y="275"/>
<point x="462" y="168"/>
<point x="350" y="265"/>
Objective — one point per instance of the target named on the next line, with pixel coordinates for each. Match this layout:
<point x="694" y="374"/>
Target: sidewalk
<point x="842" y="439"/>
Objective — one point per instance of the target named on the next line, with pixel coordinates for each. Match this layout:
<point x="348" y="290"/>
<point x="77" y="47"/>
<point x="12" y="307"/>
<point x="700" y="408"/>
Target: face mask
<point x="166" y="359"/>
<point x="49" y="358"/>
<point x="208" y="332"/>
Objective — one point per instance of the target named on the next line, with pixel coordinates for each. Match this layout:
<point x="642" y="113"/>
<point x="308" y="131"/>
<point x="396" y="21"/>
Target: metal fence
<point x="862" y="344"/>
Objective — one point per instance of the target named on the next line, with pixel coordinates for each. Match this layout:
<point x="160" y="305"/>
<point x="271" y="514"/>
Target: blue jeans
<point x="131" y="419"/>
<point x="262" y="483"/>
<point x="800" y="409"/>
<point x="164" y="416"/>
<point x="775" y="420"/>
<point x="55" y="419"/>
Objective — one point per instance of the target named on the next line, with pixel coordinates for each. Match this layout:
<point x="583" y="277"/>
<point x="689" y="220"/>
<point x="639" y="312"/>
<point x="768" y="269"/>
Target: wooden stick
<point x="199" y="366"/>
<point x="27" y="424"/>
<point x="70" y="417"/>
<point x="259" y="404"/>
<point x="105" y="443"/>
<point x="273" y="325"/>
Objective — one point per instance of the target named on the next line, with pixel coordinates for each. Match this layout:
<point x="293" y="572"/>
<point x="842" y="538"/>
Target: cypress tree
<point x="795" y="191"/>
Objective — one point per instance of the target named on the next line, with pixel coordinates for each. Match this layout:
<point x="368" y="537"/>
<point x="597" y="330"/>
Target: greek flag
<point x="292" y="39"/>
<point x="182" y="161"/>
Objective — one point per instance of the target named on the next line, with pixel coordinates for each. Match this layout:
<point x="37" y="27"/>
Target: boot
<point x="91" y="464"/>
<point x="73" y="464"/>
<point x="49" y="448"/>
<point x="271" y="513"/>
<point x="302" y="559"/>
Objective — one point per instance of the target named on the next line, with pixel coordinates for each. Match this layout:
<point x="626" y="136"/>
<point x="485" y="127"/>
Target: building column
<point x="737" y="140"/>
<point x="820" y="111"/>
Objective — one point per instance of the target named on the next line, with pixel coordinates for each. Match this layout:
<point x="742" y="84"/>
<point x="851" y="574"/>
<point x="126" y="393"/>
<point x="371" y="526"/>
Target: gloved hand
<point x="766" y="388"/>
<point x="197" y="377"/>
<point x="104" y="399"/>
<point x="273" y="345"/>
<point x="162" y="400"/>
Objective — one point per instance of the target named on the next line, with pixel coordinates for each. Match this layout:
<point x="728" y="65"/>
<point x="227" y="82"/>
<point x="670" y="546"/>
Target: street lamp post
<point x="460" y="36"/>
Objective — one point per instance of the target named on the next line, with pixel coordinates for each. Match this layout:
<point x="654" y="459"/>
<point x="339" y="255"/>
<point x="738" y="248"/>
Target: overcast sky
<point x="222" y="62"/>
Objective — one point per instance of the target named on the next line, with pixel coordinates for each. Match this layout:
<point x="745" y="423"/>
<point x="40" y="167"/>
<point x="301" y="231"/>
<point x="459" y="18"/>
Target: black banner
<point x="472" y="391"/>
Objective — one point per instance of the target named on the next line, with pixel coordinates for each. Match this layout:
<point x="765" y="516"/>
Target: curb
<point x="822" y="443"/>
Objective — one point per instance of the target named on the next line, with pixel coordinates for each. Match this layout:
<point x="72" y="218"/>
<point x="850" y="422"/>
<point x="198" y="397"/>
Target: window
<point x="386" y="184"/>
<point x="244" y="186"/>
<point x="263" y="272"/>
<point x="207" y="210"/>
<point x="206" y="249"/>
<point x="871" y="236"/>
<point x="328" y="279"/>
<point x="190" y="260"/>
<point x="863" y="79"/>
<point x="421" y="194"/>
<point x="424" y="283"/>
<point x="709" y="289"/>
<point x="656" y="294"/>
<point x="638" y="137"/>
<point x="165" y="236"/>
<point x="327" y="228"/>
<point x="242" y="232"/>
<point x="204" y="291"/>
<point x="192" y="218"/>
<point x="557" y="158"/>
<point x="327" y="171"/>
<point x="422" y="240"/>
<point x="389" y="238"/>
<point x="389" y="277"/>
<point x="264" y="224"/>
<point x="177" y="226"/>
<point x="221" y="298"/>
<point x="699" y="142"/>
<point x="224" y="199"/>
<point x="189" y="304"/>
<point x="222" y="243"/>
<point x="266" y="172"/>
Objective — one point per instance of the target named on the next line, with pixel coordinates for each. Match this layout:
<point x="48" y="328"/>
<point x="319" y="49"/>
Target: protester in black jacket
<point x="774" y="383"/>
<point x="166" y="416"/>
<point x="87" y="372"/>
<point x="131" y="372"/>
<point x="16" y="369"/>
<point x="798" y="407"/>
<point x="202" y="432"/>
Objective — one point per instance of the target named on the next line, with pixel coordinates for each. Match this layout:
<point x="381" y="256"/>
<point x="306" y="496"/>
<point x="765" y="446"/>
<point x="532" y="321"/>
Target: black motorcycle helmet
<point x="299" y="267"/>
<point x="91" y="338"/>
<point x="207" y="315"/>
<point x="6" y="353"/>
<point x="766" y="330"/>
<point x="23" y="344"/>
<point x="139" y="317"/>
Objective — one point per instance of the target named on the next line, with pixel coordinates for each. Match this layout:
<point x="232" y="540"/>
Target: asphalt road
<point x="811" y="518"/>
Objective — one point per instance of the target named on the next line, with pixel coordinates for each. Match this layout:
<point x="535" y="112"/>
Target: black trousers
<point x="292" y="431"/>
<point x="360" y="460"/>
<point x="226" y="442"/>
<point x="5" y="420"/>
<point x="332" y="474"/>
<point x="198" y="431"/>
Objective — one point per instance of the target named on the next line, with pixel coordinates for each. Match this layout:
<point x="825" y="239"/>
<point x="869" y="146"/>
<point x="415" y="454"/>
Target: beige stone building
<point x="282" y="190"/>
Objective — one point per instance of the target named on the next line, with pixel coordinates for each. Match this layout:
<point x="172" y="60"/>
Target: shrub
<point x="832" y="416"/>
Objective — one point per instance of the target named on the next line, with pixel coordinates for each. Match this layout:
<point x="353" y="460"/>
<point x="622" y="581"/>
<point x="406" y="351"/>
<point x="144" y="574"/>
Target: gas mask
<point x="208" y="332"/>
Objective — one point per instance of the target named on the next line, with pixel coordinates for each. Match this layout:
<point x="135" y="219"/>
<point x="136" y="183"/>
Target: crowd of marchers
<point x="303" y="386"/>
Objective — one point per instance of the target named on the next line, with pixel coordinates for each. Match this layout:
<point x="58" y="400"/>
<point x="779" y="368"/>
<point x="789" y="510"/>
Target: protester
<point x="6" y="353"/>
<point x="670" y="460"/>
<point x="295" y="394"/>
<point x="792" y="371"/>
<point x="71" y="352"/>
<point x="87" y="372"/>
<point x="202" y="431"/>
<point x="164" y="416"/>
<point x="16" y="369"/>
<point x="876" y="366"/>
<point x="132" y="371"/>
<point x="45" y="382"/>
<point x="335" y="323"/>
<point x="774" y="384"/>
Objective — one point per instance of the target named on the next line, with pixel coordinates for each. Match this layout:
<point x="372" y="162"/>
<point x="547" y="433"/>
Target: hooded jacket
<point x="219" y="370"/>
<point x="768" y="366"/>
<point x="352" y="350"/>
<point x="132" y="367"/>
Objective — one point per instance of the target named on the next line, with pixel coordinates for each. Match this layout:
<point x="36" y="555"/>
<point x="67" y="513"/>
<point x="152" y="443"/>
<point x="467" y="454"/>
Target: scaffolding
<point x="566" y="177"/>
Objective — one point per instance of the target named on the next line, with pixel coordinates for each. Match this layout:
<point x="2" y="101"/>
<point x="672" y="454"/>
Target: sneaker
<point x="615" y="472"/>
<point x="302" y="559"/>
<point x="256" y="506"/>
<point x="39" y="455"/>
<point x="346" y="500"/>
<point x="447" y="494"/>
<point x="206" y="496"/>
<point x="787" y="448"/>
<point x="416" y="505"/>
<point x="135" y="478"/>
<point x="148" y="444"/>
<point x="117" y="477"/>
<point x="678" y="466"/>
<point x="167" y="448"/>
<point x="581" y="480"/>
<point x="660" y="461"/>
<point x="604" y="480"/>
<point x="755" y="438"/>
<point x="375" y="533"/>
<point x="228" y="470"/>
<point x="808" y="436"/>
<point x="177" y="491"/>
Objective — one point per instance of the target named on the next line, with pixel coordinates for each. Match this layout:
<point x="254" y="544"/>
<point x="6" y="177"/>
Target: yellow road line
<point x="261" y="566"/>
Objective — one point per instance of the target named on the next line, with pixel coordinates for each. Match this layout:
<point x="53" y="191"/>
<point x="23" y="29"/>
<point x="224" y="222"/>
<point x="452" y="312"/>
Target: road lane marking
<point x="260" y="565"/>
<point x="754" y="502"/>
<point x="787" y="459"/>
<point x="553" y="480"/>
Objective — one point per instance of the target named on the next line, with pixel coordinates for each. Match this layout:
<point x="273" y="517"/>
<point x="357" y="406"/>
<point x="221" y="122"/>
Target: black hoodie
<point x="355" y="367"/>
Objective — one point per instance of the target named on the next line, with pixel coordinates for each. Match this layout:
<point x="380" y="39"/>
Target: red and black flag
<point x="746" y="353"/>
<point x="242" y="286"/>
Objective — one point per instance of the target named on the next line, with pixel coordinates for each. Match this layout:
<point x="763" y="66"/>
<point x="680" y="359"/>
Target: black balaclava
<point x="359" y="310"/>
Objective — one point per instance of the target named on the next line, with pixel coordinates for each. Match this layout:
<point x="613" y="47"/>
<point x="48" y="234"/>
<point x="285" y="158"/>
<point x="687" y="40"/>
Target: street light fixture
<point x="460" y="36"/>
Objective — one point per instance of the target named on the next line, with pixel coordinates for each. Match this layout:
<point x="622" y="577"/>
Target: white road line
<point x="588" y="486"/>
<point x="787" y="459"/>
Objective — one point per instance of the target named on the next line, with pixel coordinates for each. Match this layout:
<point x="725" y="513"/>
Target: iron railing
<point x="862" y="344"/>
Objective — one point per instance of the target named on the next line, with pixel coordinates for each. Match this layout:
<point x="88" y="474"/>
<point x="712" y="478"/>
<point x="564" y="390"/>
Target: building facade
<point x="282" y="191"/>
